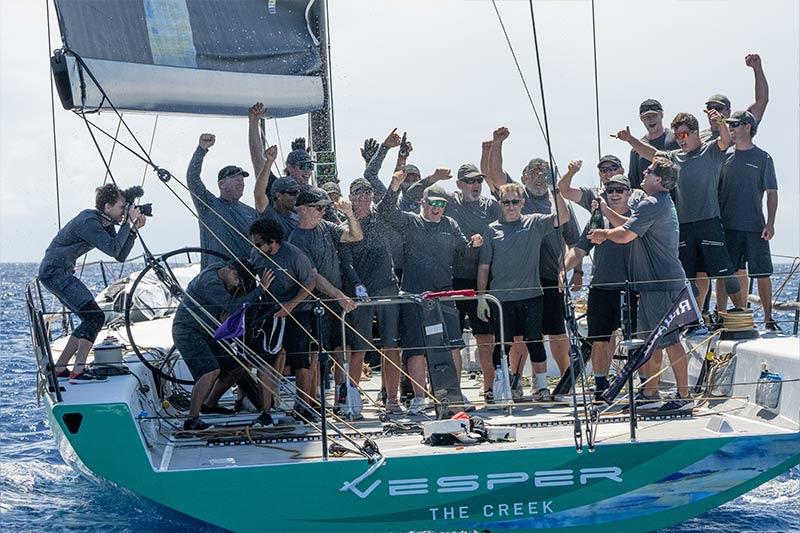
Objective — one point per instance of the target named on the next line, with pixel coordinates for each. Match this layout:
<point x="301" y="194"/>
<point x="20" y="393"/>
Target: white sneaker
<point x="542" y="395"/>
<point x="416" y="406"/>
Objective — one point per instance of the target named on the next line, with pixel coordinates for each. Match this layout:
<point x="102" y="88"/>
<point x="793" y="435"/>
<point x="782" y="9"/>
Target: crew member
<point x="652" y="116"/>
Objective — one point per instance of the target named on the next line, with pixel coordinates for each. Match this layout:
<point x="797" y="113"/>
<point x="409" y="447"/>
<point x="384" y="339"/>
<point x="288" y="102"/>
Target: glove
<point x="299" y="144"/>
<point x="361" y="292"/>
<point x="483" y="309"/>
<point x="370" y="147"/>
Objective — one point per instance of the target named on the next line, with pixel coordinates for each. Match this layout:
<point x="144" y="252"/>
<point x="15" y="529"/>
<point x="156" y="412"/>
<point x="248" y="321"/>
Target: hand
<point x="597" y="236"/>
<point x="486" y="146"/>
<point x="392" y="140"/>
<point x="369" y="150"/>
<point x="271" y="154"/>
<point x="624" y="135"/>
<point x="576" y="282"/>
<point x="207" y="140"/>
<point x="141" y="221"/>
<point x="441" y="174"/>
<point x="476" y="241"/>
<point x="256" y="112"/>
<point x="753" y="61"/>
<point x="574" y="166"/>
<point x="285" y="310"/>
<point x="345" y="207"/>
<point x="484" y="312"/>
<point x="267" y="278"/>
<point x="500" y="134"/>
<point x="768" y="232"/>
<point x="601" y="204"/>
<point x="561" y="281"/>
<point x="134" y="214"/>
<point x="347" y="303"/>
<point x="714" y="116"/>
<point x="300" y="144"/>
<point x="361" y="292"/>
<point x="398" y="178"/>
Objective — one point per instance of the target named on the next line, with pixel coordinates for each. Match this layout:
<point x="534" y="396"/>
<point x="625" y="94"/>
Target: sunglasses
<point x="472" y="181"/>
<point x="436" y="203"/>
<point x="718" y="108"/>
<point x="609" y="168"/>
<point x="515" y="201"/>
<point x="259" y="244"/>
<point x="291" y="192"/>
<point x="615" y="190"/>
<point x="306" y="165"/>
<point x="682" y="134"/>
<point x="734" y="124"/>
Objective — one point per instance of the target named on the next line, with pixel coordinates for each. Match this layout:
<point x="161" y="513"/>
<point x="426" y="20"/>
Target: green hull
<point x="637" y="486"/>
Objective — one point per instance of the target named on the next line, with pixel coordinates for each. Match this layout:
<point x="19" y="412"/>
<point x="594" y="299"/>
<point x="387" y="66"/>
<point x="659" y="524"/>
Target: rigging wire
<point x="53" y="116"/>
<point x="150" y="148"/>
<point x="596" y="84"/>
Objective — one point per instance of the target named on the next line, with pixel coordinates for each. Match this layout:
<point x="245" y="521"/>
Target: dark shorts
<point x="653" y="307"/>
<point x="330" y="328"/>
<point x="295" y="339"/>
<point x="702" y="249"/>
<point x="468" y="310"/>
<point x="604" y="313"/>
<point x="201" y="353"/>
<point x="747" y="248"/>
<point x="523" y="318"/>
<point x="414" y="328"/>
<point x="553" y="308"/>
<point x="388" y="323"/>
<point x="78" y="299"/>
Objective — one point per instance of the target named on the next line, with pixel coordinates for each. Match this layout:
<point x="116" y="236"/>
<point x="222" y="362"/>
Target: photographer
<point x="92" y="228"/>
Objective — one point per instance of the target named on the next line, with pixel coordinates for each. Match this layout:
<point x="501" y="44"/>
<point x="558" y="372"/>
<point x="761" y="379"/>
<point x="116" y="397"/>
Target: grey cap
<point x="469" y="170"/>
<point x="609" y="159"/>
<point x="650" y="106"/>
<point x="330" y="187"/>
<point x="719" y="99"/>
<point x="283" y="184"/>
<point x="619" y="179"/>
<point x="312" y="195"/>
<point x="412" y="169"/>
<point x="434" y="192"/>
<point x="361" y="184"/>
<point x="744" y="116"/>
<point x="231" y="170"/>
<point x="298" y="156"/>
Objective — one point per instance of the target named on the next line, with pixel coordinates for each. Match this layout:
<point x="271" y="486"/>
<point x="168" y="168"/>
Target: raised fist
<point x="256" y="111"/>
<point x="207" y="140"/>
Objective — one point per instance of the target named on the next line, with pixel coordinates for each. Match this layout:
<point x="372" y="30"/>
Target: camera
<point x="131" y="194"/>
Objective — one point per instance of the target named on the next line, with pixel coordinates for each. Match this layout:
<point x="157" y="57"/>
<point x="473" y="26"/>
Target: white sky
<point x="439" y="70"/>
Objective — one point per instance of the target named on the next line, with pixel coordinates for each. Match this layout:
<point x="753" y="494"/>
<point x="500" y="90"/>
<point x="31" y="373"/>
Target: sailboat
<point x="538" y="467"/>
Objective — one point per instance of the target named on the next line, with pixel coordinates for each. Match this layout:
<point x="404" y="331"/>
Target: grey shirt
<point x="292" y="268"/>
<point x="210" y="208"/>
<point x="430" y="249"/>
<point x="588" y="195"/>
<point x="512" y="250"/>
<point x="81" y="234"/>
<point x="321" y="245"/>
<point x="371" y="257"/>
<point x="206" y="293"/>
<point x="608" y="268"/>
<point x="653" y="256"/>
<point x="472" y="218"/>
<point x="698" y="181"/>
<point x="637" y="163"/>
<point x="288" y="222"/>
<point x="746" y="174"/>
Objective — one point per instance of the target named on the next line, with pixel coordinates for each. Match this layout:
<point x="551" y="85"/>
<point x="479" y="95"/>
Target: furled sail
<point x="211" y="57"/>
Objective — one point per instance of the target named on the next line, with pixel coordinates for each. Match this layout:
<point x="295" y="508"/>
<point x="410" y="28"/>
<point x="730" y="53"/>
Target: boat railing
<point x="41" y="337"/>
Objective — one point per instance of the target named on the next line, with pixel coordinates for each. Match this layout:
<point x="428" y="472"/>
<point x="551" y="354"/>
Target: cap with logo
<point x="609" y="159"/>
<point x="434" y="192"/>
<point x="298" y="156"/>
<point x="312" y="195"/>
<point x="650" y="106"/>
<point x="231" y="170"/>
<point x="331" y="187"/>
<point x="720" y="99"/>
<point x="361" y="185"/>
<point x="468" y="170"/>
<point x="412" y="169"/>
<point x="619" y="179"/>
<point x="283" y="184"/>
<point x="744" y="116"/>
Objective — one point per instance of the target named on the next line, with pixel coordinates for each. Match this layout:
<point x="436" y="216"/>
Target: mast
<point x="321" y="127"/>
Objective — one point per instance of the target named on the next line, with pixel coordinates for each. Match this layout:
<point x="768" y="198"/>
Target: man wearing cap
<point x="224" y="220"/>
<point x="537" y="178"/>
<point x="371" y="258"/>
<point x="335" y="194"/>
<point x="608" y="280"/>
<point x="609" y="167"/>
<point x="656" y="272"/>
<point x="652" y="116"/>
<point x="218" y="291"/>
<point x="473" y="213"/>
<point x="702" y="239"/>
<point x="721" y="103"/>
<point x="432" y="244"/>
<point x="747" y="173"/>
<point x="284" y="191"/>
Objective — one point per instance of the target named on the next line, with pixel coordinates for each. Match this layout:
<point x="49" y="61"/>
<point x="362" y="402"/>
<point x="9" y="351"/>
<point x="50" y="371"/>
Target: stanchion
<point x="323" y="368"/>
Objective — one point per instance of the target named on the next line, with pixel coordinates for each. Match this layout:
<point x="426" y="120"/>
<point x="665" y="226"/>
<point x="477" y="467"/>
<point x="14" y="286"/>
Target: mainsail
<point x="211" y="57"/>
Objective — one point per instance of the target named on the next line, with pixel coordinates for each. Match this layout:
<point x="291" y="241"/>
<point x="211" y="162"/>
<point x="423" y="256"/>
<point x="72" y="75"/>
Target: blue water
<point x="38" y="492"/>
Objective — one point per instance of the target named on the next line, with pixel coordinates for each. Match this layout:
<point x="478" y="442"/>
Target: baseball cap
<point x="412" y="169"/>
<point x="330" y="187"/>
<point x="231" y="170"/>
<point x="609" y="159"/>
<point x="312" y="195"/>
<point x="650" y="106"/>
<point x="468" y="170"/>
<point x="434" y="192"/>
<point x="744" y="116"/>
<point x="719" y="99"/>
<point x="298" y="156"/>
<point x="361" y="184"/>
<point x="619" y="179"/>
<point x="283" y="184"/>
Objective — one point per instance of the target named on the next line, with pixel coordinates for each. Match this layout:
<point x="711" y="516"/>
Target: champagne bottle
<point x="596" y="222"/>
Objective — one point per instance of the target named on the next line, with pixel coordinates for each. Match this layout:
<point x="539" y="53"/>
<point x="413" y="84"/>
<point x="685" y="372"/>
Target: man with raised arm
<point x="279" y="204"/>
<point x="224" y="220"/>
<point x="721" y="103"/>
<point x="747" y="173"/>
<point x="511" y="255"/>
<point x="656" y="272"/>
<point x="431" y="244"/>
<point x="473" y="213"/>
<point x="702" y="239"/>
<point x="652" y="116"/>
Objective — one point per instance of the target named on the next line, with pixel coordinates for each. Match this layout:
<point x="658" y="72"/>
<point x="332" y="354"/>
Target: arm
<point x="495" y="177"/>
<point x="724" y="139"/>
<point x="193" y="180"/>
<point x="613" y="217"/>
<point x="260" y="196"/>
<point x="643" y="149"/>
<point x="352" y="232"/>
<point x="565" y="182"/>
<point x="440" y="174"/>
<point x="486" y="149"/>
<point x="118" y="246"/>
<point x="758" y="107"/>
<point x="772" y="207"/>
<point x="563" y="212"/>
<point x="305" y="291"/>
<point x="328" y="289"/>
<point x="618" y="235"/>
<point x="387" y="208"/>
<point x="374" y="165"/>
<point x="574" y="258"/>
<point x="346" y="262"/>
<point x="254" y="116"/>
<point x="483" y="277"/>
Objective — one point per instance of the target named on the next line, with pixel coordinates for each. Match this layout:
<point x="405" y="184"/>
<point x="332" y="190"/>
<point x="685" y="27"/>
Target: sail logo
<point x="474" y="482"/>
